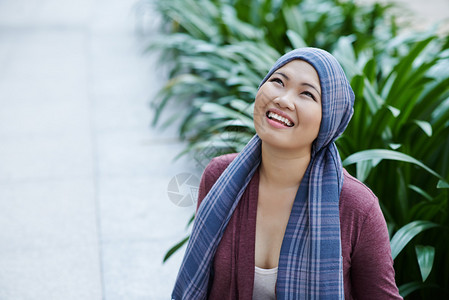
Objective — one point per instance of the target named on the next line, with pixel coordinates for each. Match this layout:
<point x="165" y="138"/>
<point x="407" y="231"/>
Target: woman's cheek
<point x="266" y="96"/>
<point x="259" y="106"/>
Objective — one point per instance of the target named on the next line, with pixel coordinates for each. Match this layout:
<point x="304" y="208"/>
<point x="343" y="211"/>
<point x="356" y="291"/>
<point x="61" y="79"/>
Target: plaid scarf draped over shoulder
<point x="310" y="262"/>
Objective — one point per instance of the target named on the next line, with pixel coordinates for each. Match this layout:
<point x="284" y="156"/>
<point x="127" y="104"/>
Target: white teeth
<point x="272" y="115"/>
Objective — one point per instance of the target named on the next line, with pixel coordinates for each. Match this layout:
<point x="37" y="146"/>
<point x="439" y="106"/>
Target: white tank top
<point x="265" y="283"/>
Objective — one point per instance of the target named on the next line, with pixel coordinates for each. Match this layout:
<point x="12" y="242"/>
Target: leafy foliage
<point x="401" y="123"/>
<point x="398" y="139"/>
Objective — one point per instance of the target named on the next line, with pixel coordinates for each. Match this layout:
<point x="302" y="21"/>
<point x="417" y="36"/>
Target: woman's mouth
<point x="279" y="119"/>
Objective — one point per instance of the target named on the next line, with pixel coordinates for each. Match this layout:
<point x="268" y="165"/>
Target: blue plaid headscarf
<point x="310" y="262"/>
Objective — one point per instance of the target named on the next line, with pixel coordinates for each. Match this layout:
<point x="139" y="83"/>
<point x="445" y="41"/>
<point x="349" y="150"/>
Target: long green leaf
<point x="442" y="184"/>
<point x="295" y="39"/>
<point x="389" y="155"/>
<point x="420" y="191"/>
<point x="406" y="233"/>
<point x="404" y="67"/>
<point x="425" y="256"/>
<point x="294" y="20"/>
<point x="175" y="248"/>
<point x="408" y="288"/>
<point x="425" y="126"/>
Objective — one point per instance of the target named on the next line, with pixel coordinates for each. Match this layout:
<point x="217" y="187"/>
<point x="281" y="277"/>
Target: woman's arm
<point x="372" y="272"/>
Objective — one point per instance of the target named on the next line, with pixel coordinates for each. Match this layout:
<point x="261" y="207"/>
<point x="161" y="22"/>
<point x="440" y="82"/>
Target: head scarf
<point x="310" y="263"/>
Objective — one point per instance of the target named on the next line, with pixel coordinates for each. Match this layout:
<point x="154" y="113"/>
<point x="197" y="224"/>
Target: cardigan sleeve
<point x="372" y="272"/>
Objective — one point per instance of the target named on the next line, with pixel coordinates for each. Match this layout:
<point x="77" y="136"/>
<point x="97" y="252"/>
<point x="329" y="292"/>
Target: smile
<point x="273" y="116"/>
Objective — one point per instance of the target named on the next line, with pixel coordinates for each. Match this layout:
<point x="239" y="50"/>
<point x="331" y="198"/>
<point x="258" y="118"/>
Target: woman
<point x="283" y="219"/>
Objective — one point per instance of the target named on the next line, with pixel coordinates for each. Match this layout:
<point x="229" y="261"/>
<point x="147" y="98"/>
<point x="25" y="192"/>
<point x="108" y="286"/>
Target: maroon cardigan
<point x="367" y="263"/>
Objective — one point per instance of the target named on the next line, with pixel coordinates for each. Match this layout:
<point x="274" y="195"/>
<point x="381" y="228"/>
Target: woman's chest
<point x="273" y="212"/>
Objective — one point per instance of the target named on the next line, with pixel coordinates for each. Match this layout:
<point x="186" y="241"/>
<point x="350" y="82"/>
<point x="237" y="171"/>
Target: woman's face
<point x="287" y="110"/>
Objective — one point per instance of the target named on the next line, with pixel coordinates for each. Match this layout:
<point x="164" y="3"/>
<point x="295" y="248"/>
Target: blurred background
<point x="98" y="98"/>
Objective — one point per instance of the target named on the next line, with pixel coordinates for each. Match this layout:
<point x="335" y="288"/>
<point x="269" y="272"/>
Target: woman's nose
<point x="285" y="101"/>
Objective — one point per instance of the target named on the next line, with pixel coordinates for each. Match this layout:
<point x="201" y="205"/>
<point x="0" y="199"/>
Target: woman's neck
<point x="283" y="168"/>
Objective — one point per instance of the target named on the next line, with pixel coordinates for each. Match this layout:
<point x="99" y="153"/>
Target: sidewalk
<point x="84" y="209"/>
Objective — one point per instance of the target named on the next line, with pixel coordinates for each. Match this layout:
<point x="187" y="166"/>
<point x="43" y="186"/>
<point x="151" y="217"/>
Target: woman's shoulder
<point x="356" y="196"/>
<point x="214" y="169"/>
<point x="218" y="164"/>
<point x="212" y="172"/>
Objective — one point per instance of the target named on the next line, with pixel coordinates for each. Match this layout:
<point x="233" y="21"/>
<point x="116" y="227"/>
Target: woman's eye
<point x="309" y="94"/>
<point x="277" y="80"/>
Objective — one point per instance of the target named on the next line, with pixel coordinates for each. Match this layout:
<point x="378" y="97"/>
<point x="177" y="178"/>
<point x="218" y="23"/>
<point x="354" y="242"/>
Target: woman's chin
<point x="276" y="142"/>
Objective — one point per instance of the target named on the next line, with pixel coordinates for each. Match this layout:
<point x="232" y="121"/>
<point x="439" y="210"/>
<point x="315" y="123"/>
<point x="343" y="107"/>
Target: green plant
<point x="398" y="139"/>
<point x="218" y="52"/>
<point x="402" y="121"/>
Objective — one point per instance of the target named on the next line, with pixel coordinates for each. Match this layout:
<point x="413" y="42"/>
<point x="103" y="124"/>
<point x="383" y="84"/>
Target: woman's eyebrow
<point x="282" y="74"/>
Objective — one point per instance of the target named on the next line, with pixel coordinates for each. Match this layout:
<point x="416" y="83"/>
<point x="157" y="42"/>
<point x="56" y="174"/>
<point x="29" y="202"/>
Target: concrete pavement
<point x="84" y="212"/>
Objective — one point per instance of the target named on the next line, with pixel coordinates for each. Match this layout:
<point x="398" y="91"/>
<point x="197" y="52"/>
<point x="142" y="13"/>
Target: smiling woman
<point x="282" y="219"/>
